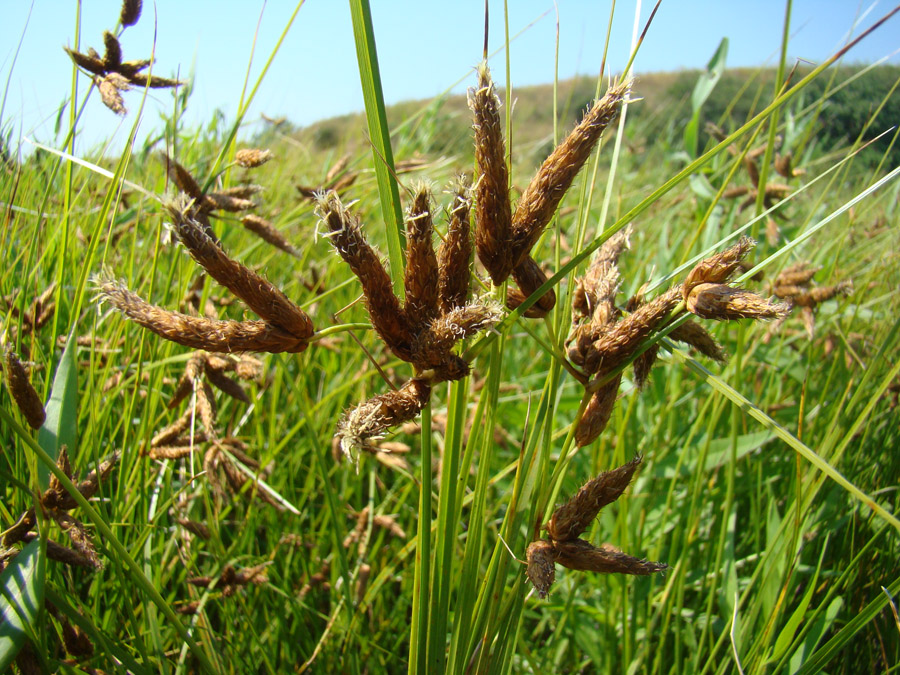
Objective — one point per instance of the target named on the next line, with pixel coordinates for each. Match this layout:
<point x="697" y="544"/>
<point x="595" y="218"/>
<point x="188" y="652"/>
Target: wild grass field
<point x="237" y="438"/>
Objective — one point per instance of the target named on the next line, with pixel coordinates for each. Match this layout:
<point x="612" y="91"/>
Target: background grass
<point x="775" y="566"/>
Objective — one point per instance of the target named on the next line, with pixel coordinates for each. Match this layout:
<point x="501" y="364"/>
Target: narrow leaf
<point x="21" y="598"/>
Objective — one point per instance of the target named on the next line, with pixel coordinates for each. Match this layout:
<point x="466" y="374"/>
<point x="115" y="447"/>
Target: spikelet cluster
<point x="563" y="545"/>
<point x="505" y="236"/>
<point x="601" y="342"/>
<point x="425" y="328"/>
<point x="110" y="74"/>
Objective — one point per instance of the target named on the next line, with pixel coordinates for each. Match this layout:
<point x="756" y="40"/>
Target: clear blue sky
<point x="424" y="48"/>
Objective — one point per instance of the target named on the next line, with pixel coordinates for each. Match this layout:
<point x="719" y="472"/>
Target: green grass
<point x="768" y="485"/>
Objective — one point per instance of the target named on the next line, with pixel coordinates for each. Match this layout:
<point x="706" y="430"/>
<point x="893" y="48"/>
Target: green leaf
<point x="379" y="136"/>
<point x="59" y="427"/>
<point x="21" y="598"/>
<point x="702" y="90"/>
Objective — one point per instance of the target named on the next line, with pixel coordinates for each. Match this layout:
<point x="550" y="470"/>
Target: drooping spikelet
<point x="595" y="293"/>
<point x="605" y="559"/>
<point x="493" y="213"/>
<point x="621" y="340"/>
<point x="379" y="413"/>
<point x="263" y="229"/>
<point x="572" y="518"/>
<point x="250" y="158"/>
<point x="265" y="299"/>
<point x="110" y="87"/>
<point x="541" y="570"/>
<point x="597" y="413"/>
<point x="388" y="318"/>
<point x="718" y="268"/>
<point x="529" y="277"/>
<point x="200" y="333"/>
<point x="131" y="12"/>
<point x="455" y="251"/>
<point x="420" y="278"/>
<point x="22" y="391"/>
<point x="723" y="303"/>
<point x="695" y="335"/>
<point x="555" y="176"/>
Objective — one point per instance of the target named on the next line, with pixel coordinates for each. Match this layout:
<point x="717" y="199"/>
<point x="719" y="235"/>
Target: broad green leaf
<point x="59" y="427"/>
<point x="21" y="598"/>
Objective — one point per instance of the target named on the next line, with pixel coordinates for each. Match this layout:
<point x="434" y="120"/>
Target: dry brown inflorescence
<point x="564" y="546"/>
<point x="603" y="341"/>
<point x="795" y="286"/>
<point x="423" y="329"/>
<point x="111" y="75"/>
<point x="504" y="237"/>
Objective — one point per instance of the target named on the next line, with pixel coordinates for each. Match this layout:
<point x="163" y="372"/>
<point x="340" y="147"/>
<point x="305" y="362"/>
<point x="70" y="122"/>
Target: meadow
<point x="310" y="401"/>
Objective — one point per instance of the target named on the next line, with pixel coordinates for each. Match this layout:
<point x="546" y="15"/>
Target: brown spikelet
<point x="622" y="338"/>
<point x="596" y="291"/>
<point x="784" y="165"/>
<point x="420" y="277"/>
<point x="88" y="487"/>
<point x="22" y="391"/>
<point x="109" y="94"/>
<point x="153" y="81"/>
<point x="529" y="276"/>
<point x="723" y="303"/>
<point x="541" y="570"/>
<point x="555" y="176"/>
<point x="225" y="384"/>
<point x="200" y="333"/>
<point x="388" y="318"/>
<point x="250" y="158"/>
<point x="798" y="274"/>
<point x="263" y="229"/>
<point x="337" y="169"/>
<point x="183" y="179"/>
<point x="493" y="233"/>
<point x="89" y="62"/>
<point x="434" y="343"/>
<point x="643" y="364"/>
<point x="206" y="407"/>
<point x="455" y="251"/>
<point x="695" y="335"/>
<point x="718" y="268"/>
<point x="66" y="555"/>
<point x="752" y="170"/>
<point x="597" y="413"/>
<point x="194" y="527"/>
<point x="131" y="12"/>
<point x="576" y="515"/>
<point x="19" y="529"/>
<point x="379" y="413"/>
<point x="171" y="451"/>
<point x="112" y="56"/>
<point x="606" y="559"/>
<point x="265" y="299"/>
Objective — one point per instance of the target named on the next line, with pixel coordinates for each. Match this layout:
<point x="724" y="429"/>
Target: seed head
<point x="250" y="158"/>
<point x="606" y="559"/>
<point x="541" y="570"/>
<point x="723" y="303"/>
<point x="22" y="391"/>
<point x="718" y="268"/>
<point x="421" y="274"/>
<point x="597" y="413"/>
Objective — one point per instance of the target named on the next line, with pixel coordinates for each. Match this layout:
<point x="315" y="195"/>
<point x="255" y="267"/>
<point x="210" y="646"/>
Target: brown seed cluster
<point x="56" y="504"/>
<point x="504" y="237"/>
<point x="338" y="178"/>
<point x="563" y="545"/>
<point x="424" y="329"/>
<point x="36" y="315"/>
<point x="774" y="192"/>
<point x="112" y="75"/>
<point x="601" y="341"/>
